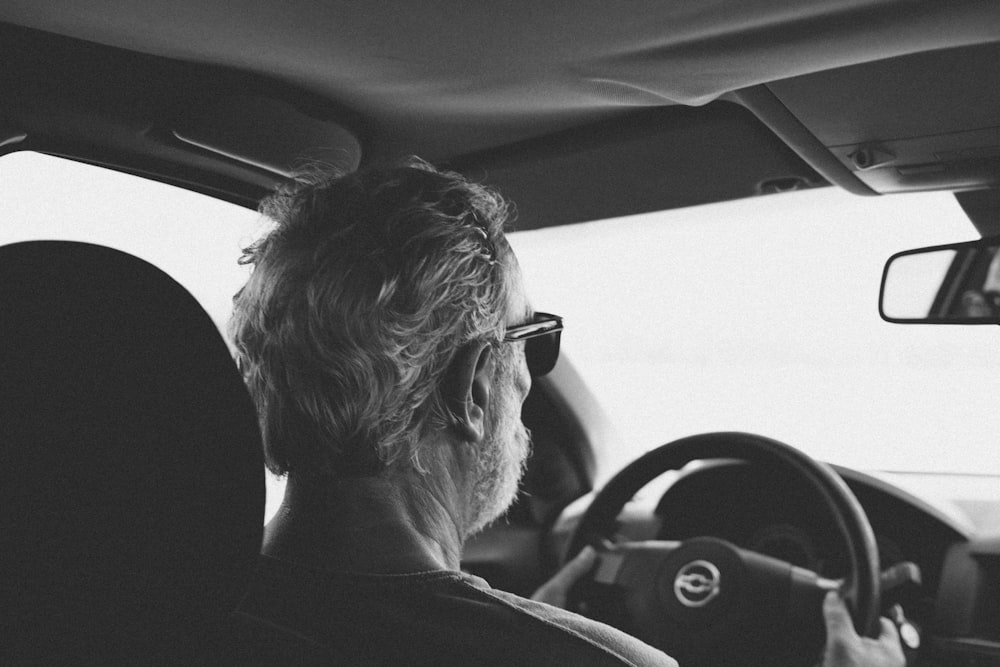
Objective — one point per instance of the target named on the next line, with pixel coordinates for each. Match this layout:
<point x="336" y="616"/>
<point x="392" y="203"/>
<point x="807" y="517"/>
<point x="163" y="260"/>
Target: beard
<point x="501" y="461"/>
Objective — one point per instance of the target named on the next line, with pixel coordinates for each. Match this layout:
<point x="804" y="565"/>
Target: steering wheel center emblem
<point x="697" y="583"/>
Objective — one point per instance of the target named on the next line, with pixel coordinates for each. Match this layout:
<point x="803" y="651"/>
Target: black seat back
<point x="133" y="493"/>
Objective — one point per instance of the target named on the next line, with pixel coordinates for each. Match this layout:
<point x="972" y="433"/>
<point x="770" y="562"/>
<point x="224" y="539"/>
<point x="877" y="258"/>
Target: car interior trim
<point x="769" y="109"/>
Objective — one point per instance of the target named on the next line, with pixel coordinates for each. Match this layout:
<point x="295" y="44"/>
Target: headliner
<point x="452" y="78"/>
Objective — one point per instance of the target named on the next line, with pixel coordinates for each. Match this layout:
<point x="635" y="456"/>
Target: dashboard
<point x="955" y="607"/>
<point x="756" y="509"/>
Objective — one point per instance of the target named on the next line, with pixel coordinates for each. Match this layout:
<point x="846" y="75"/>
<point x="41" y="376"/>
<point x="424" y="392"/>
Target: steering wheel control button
<point x="697" y="583"/>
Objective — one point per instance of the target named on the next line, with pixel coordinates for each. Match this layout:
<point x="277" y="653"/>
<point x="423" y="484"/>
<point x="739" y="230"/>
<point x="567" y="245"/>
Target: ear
<point x="467" y="389"/>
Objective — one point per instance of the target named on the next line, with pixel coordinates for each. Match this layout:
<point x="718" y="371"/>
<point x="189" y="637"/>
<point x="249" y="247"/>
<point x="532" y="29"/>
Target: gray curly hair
<point x="359" y="298"/>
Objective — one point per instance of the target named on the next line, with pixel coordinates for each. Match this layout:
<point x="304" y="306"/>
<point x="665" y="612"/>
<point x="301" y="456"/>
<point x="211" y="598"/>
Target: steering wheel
<point x="705" y="601"/>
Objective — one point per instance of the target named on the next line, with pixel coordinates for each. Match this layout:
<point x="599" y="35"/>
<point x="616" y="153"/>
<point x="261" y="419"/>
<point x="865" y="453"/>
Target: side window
<point x="194" y="238"/>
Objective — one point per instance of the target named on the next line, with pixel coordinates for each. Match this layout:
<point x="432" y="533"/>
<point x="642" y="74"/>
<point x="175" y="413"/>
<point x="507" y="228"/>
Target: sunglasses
<point x="541" y="341"/>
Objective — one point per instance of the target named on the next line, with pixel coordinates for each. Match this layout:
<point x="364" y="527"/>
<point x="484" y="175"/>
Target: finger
<point x="555" y="589"/>
<point x="580" y="564"/>
<point x="890" y="634"/>
<point x="837" y="618"/>
<point x="545" y="593"/>
<point x="574" y="569"/>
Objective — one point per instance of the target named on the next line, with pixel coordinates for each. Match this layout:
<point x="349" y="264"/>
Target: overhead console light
<point x="870" y="156"/>
<point x="269" y="134"/>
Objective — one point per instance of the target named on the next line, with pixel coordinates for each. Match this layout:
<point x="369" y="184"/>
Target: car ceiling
<point x="784" y="93"/>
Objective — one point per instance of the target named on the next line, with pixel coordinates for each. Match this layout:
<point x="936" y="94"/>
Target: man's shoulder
<point x="625" y="647"/>
<point x="434" y="618"/>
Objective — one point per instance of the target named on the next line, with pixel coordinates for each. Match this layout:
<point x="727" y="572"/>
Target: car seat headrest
<point x="133" y="493"/>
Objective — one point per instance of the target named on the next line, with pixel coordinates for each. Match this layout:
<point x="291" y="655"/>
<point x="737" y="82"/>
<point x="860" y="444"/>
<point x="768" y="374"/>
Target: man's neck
<point x="382" y="525"/>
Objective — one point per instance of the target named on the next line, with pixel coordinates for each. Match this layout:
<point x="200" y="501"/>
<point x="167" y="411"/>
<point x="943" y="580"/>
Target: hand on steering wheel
<point x="707" y="602"/>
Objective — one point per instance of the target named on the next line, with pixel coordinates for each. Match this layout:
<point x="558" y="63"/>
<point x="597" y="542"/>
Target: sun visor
<point x="269" y="134"/>
<point x="911" y="123"/>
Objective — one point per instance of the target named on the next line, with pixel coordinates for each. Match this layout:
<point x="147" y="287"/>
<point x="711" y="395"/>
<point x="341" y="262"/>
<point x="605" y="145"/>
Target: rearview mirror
<point x="948" y="284"/>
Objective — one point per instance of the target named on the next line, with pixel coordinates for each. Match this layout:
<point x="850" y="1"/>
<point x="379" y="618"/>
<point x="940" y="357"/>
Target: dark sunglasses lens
<point x="541" y="353"/>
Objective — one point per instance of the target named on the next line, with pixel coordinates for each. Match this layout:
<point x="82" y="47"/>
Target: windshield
<point x="761" y="315"/>
<point x="756" y="315"/>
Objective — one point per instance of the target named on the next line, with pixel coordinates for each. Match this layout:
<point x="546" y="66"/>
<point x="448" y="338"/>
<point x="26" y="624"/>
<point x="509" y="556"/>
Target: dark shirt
<point x="432" y="618"/>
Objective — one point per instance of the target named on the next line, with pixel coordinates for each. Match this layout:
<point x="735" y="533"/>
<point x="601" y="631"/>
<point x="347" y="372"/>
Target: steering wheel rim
<point x="861" y="589"/>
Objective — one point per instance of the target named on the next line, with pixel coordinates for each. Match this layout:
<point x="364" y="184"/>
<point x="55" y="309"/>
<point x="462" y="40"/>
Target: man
<point x="387" y="339"/>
